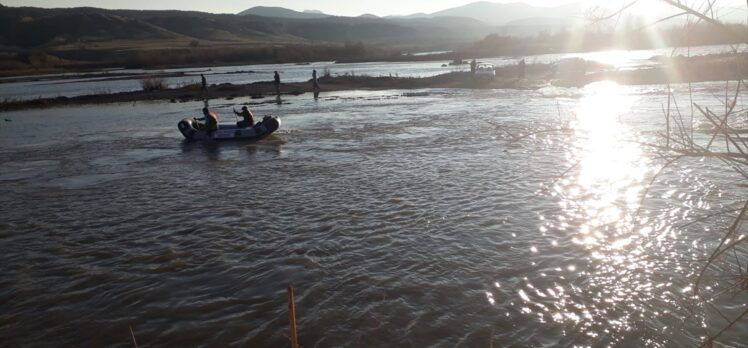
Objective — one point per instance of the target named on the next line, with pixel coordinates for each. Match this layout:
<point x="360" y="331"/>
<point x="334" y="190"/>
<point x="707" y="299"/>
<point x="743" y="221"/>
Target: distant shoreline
<point x="573" y="73"/>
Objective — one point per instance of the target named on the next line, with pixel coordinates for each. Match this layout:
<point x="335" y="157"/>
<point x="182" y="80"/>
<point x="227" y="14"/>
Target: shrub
<point x="152" y="83"/>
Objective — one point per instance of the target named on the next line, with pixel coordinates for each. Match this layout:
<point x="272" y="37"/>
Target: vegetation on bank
<point x="594" y="40"/>
<point x="721" y="277"/>
<point x="24" y="62"/>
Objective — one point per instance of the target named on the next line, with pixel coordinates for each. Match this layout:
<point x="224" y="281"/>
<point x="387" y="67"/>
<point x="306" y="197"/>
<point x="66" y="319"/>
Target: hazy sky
<point x="335" y="7"/>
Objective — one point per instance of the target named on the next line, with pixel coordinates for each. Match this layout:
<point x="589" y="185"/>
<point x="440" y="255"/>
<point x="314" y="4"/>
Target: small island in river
<point x="573" y="72"/>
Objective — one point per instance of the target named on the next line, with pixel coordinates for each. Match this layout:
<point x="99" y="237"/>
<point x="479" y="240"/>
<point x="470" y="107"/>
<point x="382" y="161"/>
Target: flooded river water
<point x="402" y="218"/>
<point x="127" y="80"/>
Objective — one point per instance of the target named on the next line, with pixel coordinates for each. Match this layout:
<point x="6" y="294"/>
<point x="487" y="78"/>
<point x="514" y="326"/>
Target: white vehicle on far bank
<point x="485" y="70"/>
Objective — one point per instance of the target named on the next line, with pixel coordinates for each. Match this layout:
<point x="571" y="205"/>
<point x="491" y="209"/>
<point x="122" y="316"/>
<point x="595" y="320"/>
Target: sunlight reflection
<point x="597" y="206"/>
<point x="616" y="58"/>
<point x="611" y="173"/>
<point x="606" y="159"/>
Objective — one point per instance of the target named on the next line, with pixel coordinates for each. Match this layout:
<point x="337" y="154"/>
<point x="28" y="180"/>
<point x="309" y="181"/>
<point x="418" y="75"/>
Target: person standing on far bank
<point x="277" y="79"/>
<point x="315" y="83"/>
<point x="205" y="82"/>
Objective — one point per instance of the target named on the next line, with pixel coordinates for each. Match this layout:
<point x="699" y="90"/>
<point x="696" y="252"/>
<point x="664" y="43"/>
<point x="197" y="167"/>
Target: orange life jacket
<point x="211" y="120"/>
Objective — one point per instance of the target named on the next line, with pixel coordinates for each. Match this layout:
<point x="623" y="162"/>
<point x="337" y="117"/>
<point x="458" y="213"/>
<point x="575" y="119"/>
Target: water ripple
<point x="400" y="220"/>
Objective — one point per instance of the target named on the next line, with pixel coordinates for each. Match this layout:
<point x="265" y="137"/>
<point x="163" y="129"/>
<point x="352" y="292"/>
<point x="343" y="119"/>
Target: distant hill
<point x="280" y="12"/>
<point x="502" y="14"/>
<point x="521" y="19"/>
<point x="36" y="38"/>
<point x="490" y="13"/>
<point x="534" y="26"/>
<point x="28" y="27"/>
<point x="414" y="15"/>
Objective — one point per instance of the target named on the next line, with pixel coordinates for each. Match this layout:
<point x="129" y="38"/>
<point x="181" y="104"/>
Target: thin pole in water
<point x="292" y="317"/>
<point x="667" y="118"/>
<point x="133" y="337"/>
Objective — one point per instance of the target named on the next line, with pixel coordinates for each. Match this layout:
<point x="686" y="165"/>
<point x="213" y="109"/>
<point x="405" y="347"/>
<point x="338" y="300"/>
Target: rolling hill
<point x="501" y="14"/>
<point x="515" y="18"/>
<point x="27" y="27"/>
<point x="35" y="40"/>
<point x="280" y="12"/>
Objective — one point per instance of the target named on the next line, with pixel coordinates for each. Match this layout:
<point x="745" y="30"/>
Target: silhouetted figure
<point x="277" y="79"/>
<point x="249" y="119"/>
<point x="315" y="83"/>
<point x="205" y="82"/>
<point x="473" y="66"/>
<point x="521" y="69"/>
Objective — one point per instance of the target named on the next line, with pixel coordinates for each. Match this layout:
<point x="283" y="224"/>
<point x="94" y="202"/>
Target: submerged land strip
<point x="570" y="73"/>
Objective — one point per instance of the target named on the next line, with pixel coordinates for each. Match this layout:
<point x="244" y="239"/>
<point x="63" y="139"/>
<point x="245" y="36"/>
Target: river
<point x="127" y="80"/>
<point x="402" y="218"/>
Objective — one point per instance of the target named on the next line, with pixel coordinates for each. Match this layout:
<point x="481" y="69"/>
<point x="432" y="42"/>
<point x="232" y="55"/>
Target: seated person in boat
<point x="211" y="121"/>
<point x="248" y="121"/>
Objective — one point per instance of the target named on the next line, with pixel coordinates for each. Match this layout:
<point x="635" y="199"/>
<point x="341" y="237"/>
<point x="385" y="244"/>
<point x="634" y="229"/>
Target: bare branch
<point x="719" y="250"/>
<point x="710" y="341"/>
<point x="703" y="17"/>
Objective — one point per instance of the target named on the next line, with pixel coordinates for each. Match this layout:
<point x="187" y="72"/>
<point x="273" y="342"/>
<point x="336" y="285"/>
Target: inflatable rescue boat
<point x="194" y="130"/>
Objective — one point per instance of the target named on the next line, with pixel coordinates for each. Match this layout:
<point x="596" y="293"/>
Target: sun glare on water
<point x="609" y="165"/>
<point x="600" y="201"/>
<point x="608" y="276"/>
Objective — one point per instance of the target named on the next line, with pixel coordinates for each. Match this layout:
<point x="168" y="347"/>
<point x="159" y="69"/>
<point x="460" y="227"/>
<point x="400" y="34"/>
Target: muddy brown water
<point x="401" y="219"/>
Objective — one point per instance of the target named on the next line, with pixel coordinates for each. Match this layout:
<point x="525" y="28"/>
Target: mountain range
<point x="280" y="12"/>
<point x="29" y="27"/>
<point x="492" y="14"/>
<point x="39" y="38"/>
<point x="92" y="28"/>
<point x="518" y="17"/>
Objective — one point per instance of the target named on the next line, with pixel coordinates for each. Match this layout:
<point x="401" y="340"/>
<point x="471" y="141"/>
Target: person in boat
<point x="211" y="121"/>
<point x="249" y="119"/>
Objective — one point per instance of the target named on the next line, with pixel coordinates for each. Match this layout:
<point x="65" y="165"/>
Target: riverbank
<point x="567" y="73"/>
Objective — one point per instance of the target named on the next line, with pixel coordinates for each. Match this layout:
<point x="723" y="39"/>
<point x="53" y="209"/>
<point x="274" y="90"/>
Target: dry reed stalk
<point x="135" y="343"/>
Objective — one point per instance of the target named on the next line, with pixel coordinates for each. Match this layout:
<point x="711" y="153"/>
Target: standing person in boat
<point x="277" y="81"/>
<point x="315" y="83"/>
<point x="211" y="121"/>
<point x="249" y="119"/>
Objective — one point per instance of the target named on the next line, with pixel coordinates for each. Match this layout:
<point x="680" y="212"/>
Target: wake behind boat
<point x="194" y="130"/>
